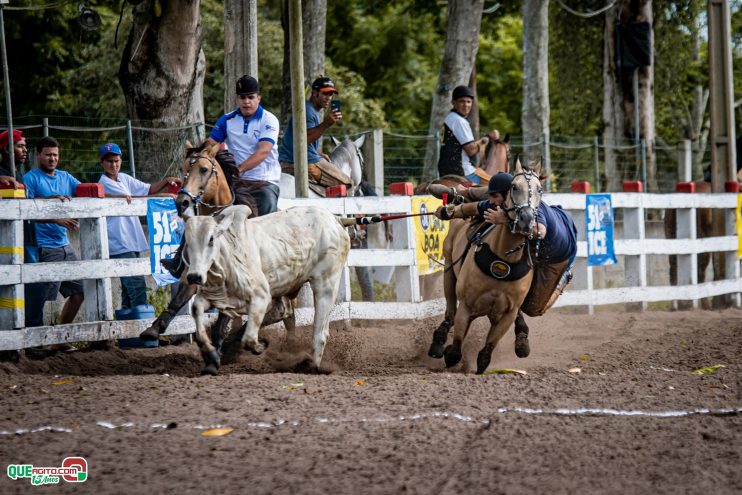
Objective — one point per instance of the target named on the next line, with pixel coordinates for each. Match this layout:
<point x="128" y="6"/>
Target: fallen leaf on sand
<point x="359" y="382"/>
<point x="63" y="382"/>
<point x="707" y="370"/>
<point x="584" y="358"/>
<point x="217" y="432"/>
<point x="505" y="371"/>
<point x="294" y="386"/>
<point x="574" y="370"/>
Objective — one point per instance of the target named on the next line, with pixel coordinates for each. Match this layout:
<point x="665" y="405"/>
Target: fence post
<point x="687" y="263"/>
<point x="582" y="272"/>
<point x="11" y="253"/>
<point x="45" y="126"/>
<point x="643" y="150"/>
<point x="94" y="246"/>
<point x="374" y="154"/>
<point x="732" y="263"/>
<point x="130" y="148"/>
<point x="406" y="278"/>
<point x="685" y="161"/>
<point x="596" y="163"/>
<point x="635" y="271"/>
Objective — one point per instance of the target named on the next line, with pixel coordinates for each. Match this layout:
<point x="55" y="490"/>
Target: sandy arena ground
<point x="388" y="419"/>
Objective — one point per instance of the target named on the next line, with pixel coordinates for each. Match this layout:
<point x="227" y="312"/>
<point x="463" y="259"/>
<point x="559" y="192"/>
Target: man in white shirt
<point x="251" y="133"/>
<point x="457" y="143"/>
<point x="125" y="235"/>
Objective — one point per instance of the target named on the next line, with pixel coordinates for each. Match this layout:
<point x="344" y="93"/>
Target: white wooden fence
<point x="96" y="269"/>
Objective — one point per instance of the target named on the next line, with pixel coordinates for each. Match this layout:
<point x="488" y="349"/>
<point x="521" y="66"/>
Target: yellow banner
<point x="429" y="235"/>
<point x="738" y="226"/>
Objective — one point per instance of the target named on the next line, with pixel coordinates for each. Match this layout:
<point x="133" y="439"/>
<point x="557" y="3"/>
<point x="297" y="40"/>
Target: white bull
<point x="240" y="266"/>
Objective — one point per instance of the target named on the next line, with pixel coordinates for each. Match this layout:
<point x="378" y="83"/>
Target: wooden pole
<point x="298" y="110"/>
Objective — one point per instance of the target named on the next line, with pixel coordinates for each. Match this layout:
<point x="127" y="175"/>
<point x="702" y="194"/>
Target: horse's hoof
<point x="522" y="347"/>
<point x="210" y="369"/>
<point x="436" y="350"/>
<point x="150" y="334"/>
<point x="452" y="356"/>
<point x="484" y="357"/>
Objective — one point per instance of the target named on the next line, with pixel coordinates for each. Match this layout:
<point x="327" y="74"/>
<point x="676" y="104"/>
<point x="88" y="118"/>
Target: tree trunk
<point x="618" y="103"/>
<point x="240" y="45"/>
<point x="535" y="118"/>
<point x="473" y="116"/>
<point x="462" y="36"/>
<point x="314" y="28"/>
<point x="161" y="74"/>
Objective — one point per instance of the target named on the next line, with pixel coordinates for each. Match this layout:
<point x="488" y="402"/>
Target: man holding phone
<point x="321" y="171"/>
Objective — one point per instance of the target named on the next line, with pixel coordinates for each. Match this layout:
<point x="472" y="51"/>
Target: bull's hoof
<point x="522" y="347"/>
<point x="258" y="348"/>
<point x="484" y="357"/>
<point x="452" y="356"/>
<point x="210" y="369"/>
<point x="151" y="334"/>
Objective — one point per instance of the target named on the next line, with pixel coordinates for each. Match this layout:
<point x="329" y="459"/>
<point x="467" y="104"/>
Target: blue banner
<point x="599" y="221"/>
<point x="165" y="232"/>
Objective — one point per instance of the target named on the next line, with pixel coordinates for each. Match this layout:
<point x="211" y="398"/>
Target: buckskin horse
<point x="210" y="184"/>
<point x="490" y="274"/>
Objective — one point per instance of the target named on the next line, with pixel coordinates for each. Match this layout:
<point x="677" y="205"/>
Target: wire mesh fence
<point x="159" y="151"/>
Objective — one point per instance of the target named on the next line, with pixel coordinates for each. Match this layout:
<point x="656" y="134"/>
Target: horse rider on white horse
<point x="321" y="170"/>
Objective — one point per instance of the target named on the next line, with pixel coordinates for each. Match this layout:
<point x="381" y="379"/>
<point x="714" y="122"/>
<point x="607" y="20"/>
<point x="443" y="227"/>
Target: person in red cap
<point x="20" y="156"/>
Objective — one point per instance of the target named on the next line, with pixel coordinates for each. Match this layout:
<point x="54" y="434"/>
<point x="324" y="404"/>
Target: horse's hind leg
<point x="522" y="346"/>
<point x="497" y="330"/>
<point x="441" y="333"/>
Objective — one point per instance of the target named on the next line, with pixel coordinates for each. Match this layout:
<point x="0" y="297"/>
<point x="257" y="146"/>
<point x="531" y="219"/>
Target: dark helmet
<point x="461" y="91"/>
<point x="247" y="85"/>
<point x="500" y="183"/>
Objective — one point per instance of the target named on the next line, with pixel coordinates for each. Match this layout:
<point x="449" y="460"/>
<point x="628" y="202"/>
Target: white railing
<point x="96" y="270"/>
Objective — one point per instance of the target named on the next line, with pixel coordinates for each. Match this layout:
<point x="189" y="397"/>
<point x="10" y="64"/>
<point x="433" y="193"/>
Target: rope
<point x="586" y="15"/>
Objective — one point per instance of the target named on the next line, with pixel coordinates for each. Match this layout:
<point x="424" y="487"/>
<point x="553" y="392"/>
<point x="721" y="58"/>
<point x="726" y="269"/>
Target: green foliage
<point x="159" y="298"/>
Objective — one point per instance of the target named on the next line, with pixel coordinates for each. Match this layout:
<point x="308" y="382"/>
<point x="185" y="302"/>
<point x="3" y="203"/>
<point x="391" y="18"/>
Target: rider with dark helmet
<point x="554" y="241"/>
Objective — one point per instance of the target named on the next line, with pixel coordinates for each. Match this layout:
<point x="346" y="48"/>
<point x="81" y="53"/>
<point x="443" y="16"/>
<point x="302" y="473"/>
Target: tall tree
<point x="162" y="75"/>
<point x="314" y="28"/>
<point x="535" y="117"/>
<point x="618" y="98"/>
<point x="240" y="44"/>
<point x="460" y="51"/>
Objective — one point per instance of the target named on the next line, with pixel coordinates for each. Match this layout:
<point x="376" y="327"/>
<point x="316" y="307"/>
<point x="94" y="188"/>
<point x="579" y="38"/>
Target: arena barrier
<point x="632" y="249"/>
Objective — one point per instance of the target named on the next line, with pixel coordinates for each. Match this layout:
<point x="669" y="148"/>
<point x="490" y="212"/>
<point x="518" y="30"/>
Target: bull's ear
<point x="359" y="142"/>
<point x="335" y="141"/>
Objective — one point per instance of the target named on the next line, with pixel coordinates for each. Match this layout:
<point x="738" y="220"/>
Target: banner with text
<point x="165" y="232"/>
<point x="599" y="221"/>
<point x="429" y="235"/>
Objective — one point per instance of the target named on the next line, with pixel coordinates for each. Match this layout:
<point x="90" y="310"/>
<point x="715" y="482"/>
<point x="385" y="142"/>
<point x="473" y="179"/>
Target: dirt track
<point x="388" y="419"/>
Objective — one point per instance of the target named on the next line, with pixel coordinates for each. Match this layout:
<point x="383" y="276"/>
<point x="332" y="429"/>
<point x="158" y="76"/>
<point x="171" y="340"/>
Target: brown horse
<point x="210" y="184"/>
<point x="490" y="275"/>
<point x="494" y="159"/>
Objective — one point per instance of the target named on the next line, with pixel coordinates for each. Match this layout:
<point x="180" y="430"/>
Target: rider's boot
<point x="175" y="265"/>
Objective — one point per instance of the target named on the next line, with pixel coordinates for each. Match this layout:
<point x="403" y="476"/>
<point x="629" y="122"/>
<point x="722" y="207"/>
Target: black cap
<point x="247" y="85"/>
<point x="461" y="91"/>
<point x="324" y="85"/>
<point x="500" y="183"/>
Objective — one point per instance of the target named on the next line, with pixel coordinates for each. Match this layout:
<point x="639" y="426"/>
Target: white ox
<point x="240" y="266"/>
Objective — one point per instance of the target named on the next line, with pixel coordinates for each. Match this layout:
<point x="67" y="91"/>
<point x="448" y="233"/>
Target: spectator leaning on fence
<point x="48" y="182"/>
<point x="125" y="234"/>
<point x="20" y="156"/>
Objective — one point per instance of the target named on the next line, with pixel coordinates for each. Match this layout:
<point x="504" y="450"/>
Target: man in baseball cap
<point x="20" y="155"/>
<point x="247" y="85"/>
<point x="324" y="85"/>
<point x="109" y="149"/>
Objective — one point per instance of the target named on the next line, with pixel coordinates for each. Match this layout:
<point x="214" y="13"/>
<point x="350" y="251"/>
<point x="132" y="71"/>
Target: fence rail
<point x="96" y="269"/>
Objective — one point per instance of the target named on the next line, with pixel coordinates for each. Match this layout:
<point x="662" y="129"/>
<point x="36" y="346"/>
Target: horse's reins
<point x="197" y="199"/>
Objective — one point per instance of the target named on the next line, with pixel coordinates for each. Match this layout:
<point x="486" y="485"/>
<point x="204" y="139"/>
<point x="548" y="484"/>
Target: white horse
<point x="346" y="156"/>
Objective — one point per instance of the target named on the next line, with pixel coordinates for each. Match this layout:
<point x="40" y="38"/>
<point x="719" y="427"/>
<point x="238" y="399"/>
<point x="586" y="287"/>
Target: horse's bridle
<point x="197" y="199"/>
<point x="513" y="221"/>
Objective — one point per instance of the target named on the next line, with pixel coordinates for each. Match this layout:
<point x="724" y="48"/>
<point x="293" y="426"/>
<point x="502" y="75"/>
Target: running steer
<point x="240" y="266"/>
